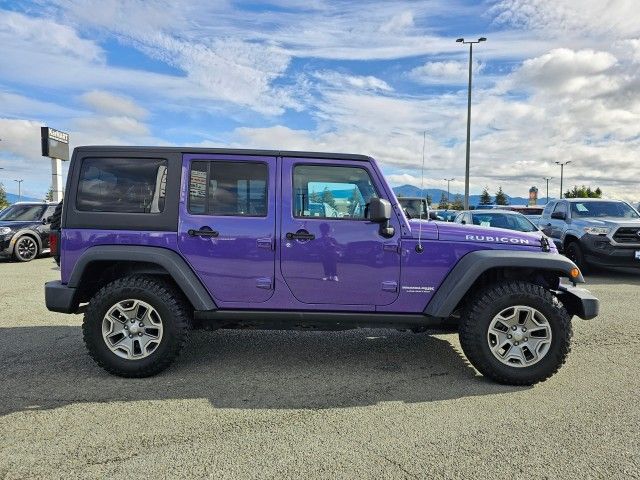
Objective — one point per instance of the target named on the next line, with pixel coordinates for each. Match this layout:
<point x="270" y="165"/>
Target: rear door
<point x="330" y="253"/>
<point x="227" y="224"/>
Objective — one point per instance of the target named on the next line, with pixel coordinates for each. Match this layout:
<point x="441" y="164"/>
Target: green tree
<point x="485" y="198"/>
<point x="315" y="197"/>
<point x="583" y="192"/>
<point x="501" y="198"/>
<point x="3" y="197"/>
<point x="458" y="202"/>
<point x="327" y="197"/>
<point x="443" y="204"/>
<point x="49" y="196"/>
<point x="354" y="200"/>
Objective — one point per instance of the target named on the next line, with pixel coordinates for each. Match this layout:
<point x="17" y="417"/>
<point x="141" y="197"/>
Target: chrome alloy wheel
<point x="27" y="248"/>
<point x="519" y="336"/>
<point x="132" y="329"/>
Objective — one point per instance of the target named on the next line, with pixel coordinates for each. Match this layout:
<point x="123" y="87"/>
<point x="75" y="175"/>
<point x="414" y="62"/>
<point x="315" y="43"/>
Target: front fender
<point x="462" y="277"/>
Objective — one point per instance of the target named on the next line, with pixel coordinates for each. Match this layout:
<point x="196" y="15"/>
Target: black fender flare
<point x="172" y="262"/>
<point x="460" y="279"/>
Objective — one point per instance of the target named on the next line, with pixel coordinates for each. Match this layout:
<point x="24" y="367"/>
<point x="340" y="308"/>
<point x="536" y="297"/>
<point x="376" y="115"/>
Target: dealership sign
<point x="55" y="144"/>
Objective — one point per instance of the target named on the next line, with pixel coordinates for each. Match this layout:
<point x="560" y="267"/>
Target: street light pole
<point x="466" y="171"/>
<point x="562" y="164"/>
<point x="547" y="179"/>
<point x="19" y="188"/>
<point x="448" y="180"/>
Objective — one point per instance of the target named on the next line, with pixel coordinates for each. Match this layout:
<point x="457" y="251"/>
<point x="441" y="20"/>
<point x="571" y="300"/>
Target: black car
<point x="24" y="230"/>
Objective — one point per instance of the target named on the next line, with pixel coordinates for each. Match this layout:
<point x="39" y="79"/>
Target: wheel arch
<point x="568" y="238"/>
<point x="22" y="233"/>
<point x="102" y="264"/>
<point x="479" y="268"/>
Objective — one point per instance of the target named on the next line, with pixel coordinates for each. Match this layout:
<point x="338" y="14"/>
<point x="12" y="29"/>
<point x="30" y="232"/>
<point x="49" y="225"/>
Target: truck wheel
<point x="516" y="333"/>
<point x="136" y="326"/>
<point x="574" y="253"/>
<point x="25" y="249"/>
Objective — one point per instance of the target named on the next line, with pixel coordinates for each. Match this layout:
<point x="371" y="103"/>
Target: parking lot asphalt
<point x="356" y="404"/>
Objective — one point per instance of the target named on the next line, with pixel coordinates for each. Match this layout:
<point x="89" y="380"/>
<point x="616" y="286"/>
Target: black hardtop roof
<point x="84" y="150"/>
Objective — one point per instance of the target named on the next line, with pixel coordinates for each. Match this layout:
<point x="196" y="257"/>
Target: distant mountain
<point x="13" y="198"/>
<point x="436" y="194"/>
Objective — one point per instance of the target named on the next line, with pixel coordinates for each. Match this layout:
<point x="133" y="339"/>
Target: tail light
<point x="53" y="243"/>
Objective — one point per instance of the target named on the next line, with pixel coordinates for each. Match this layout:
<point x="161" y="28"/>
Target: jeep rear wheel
<point x="136" y="326"/>
<point x="516" y="333"/>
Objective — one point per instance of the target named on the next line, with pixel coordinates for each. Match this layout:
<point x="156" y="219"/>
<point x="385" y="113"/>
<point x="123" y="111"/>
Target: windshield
<point x="26" y="213"/>
<point x="512" y="221"/>
<point x="603" y="209"/>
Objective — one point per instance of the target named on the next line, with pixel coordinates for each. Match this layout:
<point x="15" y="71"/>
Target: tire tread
<point x="471" y="335"/>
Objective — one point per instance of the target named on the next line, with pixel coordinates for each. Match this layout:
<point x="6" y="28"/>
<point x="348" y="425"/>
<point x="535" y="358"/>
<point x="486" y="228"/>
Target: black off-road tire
<point x="573" y="252"/>
<point x="56" y="223"/>
<point x="170" y="305"/>
<point x="56" y="217"/>
<point x="492" y="300"/>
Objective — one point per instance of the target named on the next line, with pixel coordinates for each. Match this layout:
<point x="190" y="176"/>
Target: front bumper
<point x="599" y="251"/>
<point x="60" y="298"/>
<point x="578" y="301"/>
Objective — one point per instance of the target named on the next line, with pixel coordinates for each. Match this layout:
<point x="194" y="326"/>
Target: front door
<point x="227" y="224"/>
<point x="330" y="252"/>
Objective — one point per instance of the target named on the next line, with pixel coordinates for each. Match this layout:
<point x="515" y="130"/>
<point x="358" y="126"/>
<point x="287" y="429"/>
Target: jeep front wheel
<point x="516" y="333"/>
<point x="136" y="326"/>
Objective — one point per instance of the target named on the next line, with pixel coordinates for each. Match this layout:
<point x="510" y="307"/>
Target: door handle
<point x="548" y="224"/>
<point x="300" y="235"/>
<point x="203" y="232"/>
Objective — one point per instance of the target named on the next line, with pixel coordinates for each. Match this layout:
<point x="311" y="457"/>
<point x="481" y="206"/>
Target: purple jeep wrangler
<point x="155" y="241"/>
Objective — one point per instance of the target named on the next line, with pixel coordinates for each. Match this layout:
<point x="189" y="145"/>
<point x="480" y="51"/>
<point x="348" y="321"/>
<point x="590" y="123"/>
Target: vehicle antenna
<point x="419" y="247"/>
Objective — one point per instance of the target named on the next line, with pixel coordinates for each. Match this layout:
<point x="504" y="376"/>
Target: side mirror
<point x="46" y="220"/>
<point x="559" y="215"/>
<point x="379" y="211"/>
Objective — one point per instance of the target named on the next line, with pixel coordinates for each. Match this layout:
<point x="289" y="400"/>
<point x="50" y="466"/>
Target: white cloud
<point x="109" y="103"/>
<point x="51" y="38"/>
<point x="345" y="81"/>
<point x="450" y="72"/>
<point x="398" y="22"/>
<point x="613" y="18"/>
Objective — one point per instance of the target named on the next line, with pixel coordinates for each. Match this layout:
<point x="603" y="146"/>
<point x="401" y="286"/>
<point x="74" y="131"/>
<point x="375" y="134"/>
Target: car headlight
<point x="597" y="230"/>
<point x="4" y="230"/>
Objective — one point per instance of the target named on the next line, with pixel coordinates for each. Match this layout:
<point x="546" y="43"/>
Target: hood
<point x="456" y="232"/>
<point x="19" y="224"/>
<point x="609" y="221"/>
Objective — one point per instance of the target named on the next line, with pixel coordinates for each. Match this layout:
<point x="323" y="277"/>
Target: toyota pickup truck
<point x="594" y="232"/>
<point x="153" y="242"/>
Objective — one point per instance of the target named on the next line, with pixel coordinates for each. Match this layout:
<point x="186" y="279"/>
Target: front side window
<point x="228" y="188"/>
<point x="122" y="185"/>
<point x="561" y="207"/>
<point x="323" y="191"/>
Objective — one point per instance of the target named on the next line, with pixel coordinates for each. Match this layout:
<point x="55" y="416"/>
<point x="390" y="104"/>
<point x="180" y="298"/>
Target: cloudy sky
<point x="555" y="81"/>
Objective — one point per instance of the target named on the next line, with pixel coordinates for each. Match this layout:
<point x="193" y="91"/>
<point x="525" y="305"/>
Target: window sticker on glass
<point x="581" y="207"/>
<point x="485" y="224"/>
<point x="198" y="184"/>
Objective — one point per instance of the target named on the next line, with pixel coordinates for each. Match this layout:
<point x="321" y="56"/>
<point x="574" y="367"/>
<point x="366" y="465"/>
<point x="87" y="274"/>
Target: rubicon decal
<point x="489" y="238"/>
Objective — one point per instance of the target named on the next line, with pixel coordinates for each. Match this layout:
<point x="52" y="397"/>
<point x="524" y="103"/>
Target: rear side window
<point x="122" y="185"/>
<point x="228" y="188"/>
